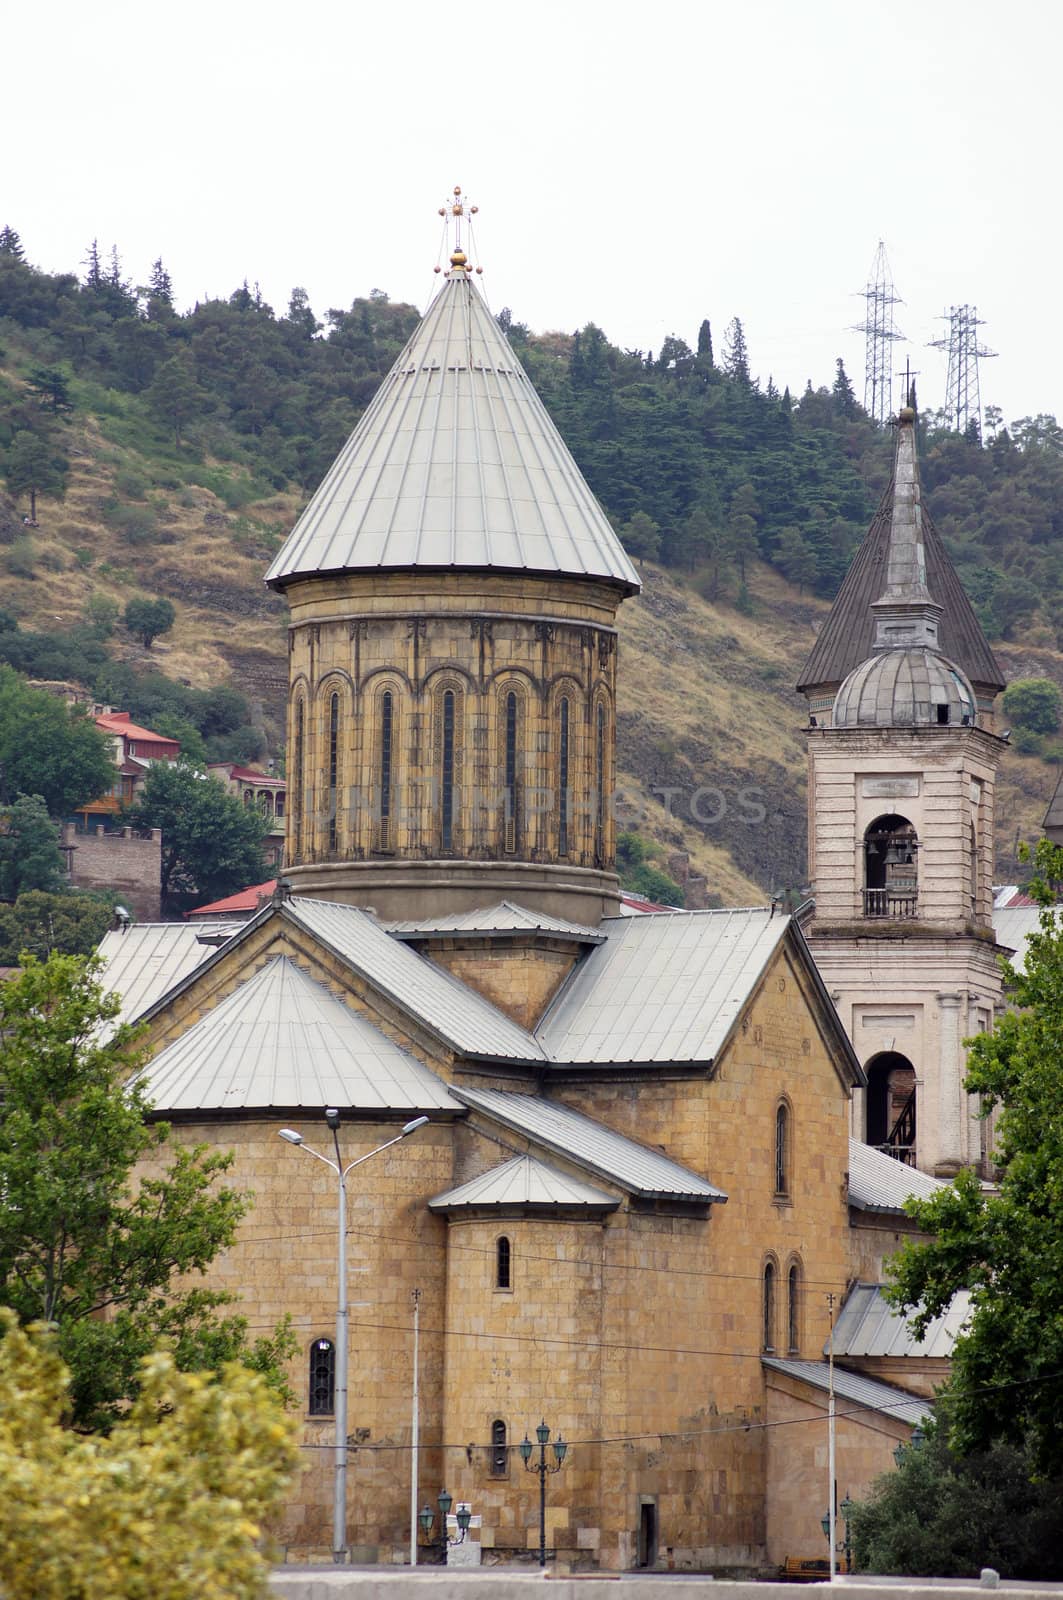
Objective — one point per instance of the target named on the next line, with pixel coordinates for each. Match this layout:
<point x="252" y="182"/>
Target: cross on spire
<point x="454" y="213"/>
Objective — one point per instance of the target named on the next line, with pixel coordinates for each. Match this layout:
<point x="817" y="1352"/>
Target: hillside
<point x="735" y="489"/>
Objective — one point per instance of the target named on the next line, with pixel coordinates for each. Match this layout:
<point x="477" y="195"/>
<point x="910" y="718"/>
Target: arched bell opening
<point x="891" y="1106"/>
<point x="891" y="873"/>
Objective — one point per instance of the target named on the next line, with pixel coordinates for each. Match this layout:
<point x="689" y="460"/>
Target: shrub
<point x="130" y="484"/>
<point x="1034" y="703"/>
<point x="22" y="558"/>
<point x="1026" y="742"/>
<point x="136" y="524"/>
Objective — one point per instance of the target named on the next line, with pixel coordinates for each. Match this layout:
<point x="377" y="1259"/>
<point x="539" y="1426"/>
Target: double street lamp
<point x="845" y="1548"/>
<point x="332" y="1118"/>
<point x="463" y="1517"/>
<point x="542" y="1467"/>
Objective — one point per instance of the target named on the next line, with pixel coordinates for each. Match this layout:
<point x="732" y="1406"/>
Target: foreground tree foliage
<point x="947" y="1515"/>
<point x="38" y="923"/>
<point x="211" y="844"/>
<point x="83" y="1246"/>
<point x="169" y="1507"/>
<point x="1006" y="1247"/>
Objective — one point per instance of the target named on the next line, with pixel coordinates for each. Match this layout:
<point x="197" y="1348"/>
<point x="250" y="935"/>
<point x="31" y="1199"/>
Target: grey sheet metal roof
<point x="500" y="919"/>
<point x="598" y="1149"/>
<point x="869" y="1326"/>
<point x="283" y="1040"/>
<point x="847" y="637"/>
<point x="1013" y="926"/>
<point x="523" y="1182"/>
<point x="879" y="1183"/>
<point x="146" y="961"/>
<point x="455" y="463"/>
<point x="1054" y="814"/>
<point x="662" y="988"/>
<point x="855" y="1389"/>
<point x="452" y="1011"/>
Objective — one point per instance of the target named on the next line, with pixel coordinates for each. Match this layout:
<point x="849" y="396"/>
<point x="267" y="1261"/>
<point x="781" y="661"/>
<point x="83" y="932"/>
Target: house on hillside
<point x="262" y="789"/>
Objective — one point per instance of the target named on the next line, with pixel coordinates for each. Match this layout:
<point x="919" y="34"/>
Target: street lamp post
<point x="845" y="1547"/>
<point x="463" y="1517"/>
<point x="339" y="1499"/>
<point x="542" y="1467"/>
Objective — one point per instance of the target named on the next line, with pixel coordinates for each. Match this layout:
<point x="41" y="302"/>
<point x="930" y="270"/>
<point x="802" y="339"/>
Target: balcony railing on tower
<point x="894" y="902"/>
<point x="900" y="1142"/>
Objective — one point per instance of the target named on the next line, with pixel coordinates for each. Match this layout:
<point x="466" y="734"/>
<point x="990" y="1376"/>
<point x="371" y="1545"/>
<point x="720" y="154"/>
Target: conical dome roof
<point x="455" y="464"/>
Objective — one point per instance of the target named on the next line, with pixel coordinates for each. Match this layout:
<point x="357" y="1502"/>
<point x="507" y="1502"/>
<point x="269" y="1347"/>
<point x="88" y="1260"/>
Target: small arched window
<point x="322" y="1378"/>
<point x="297" y="781"/>
<point x="768" y="1308"/>
<point x="502" y="1264"/>
<point x="446" y="795"/>
<point x="333" y="770"/>
<point x="499" y="1452"/>
<point x="974" y="871"/>
<point x="562" y="780"/>
<point x="793" y="1309"/>
<point x="512" y="797"/>
<point x="599" y="786"/>
<point x="782" y="1148"/>
<point x="387" y="723"/>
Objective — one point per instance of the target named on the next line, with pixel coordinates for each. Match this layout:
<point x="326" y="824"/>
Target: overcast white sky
<point x="639" y="165"/>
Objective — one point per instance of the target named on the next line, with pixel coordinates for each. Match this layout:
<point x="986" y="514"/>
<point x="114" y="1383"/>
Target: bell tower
<point x="902" y="772"/>
<point x="453" y="587"/>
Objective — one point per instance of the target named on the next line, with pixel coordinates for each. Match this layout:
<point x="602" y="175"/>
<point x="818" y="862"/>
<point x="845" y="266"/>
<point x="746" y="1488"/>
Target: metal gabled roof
<point x="869" y="1326"/>
<point x="591" y="1145"/>
<point x="847" y="637"/>
<point x="147" y="960"/>
<point x="855" y="1389"/>
<point x="524" y="1182"/>
<point x="878" y="1182"/>
<point x="450" y="1010"/>
<point x="1013" y="927"/>
<point x="455" y="464"/>
<point x="506" y="917"/>
<point x="661" y="988"/>
<point x="282" y="1040"/>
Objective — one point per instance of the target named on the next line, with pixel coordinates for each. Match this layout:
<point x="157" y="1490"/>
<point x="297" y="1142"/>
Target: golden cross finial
<point x="455" y="211"/>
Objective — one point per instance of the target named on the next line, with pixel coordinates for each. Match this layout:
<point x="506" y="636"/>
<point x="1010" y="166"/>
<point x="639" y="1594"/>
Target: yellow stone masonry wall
<point x="521" y="977"/>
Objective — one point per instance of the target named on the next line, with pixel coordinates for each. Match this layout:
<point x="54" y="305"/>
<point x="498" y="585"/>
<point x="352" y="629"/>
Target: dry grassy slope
<point x="708" y="721"/>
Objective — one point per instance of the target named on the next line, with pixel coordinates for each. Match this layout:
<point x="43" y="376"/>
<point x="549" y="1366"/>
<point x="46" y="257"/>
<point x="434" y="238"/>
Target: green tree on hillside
<point x="147" y="619"/>
<point x="641" y="537"/>
<point x="175" y="396"/>
<point x="35" y="465"/>
<point x="51" y="385"/>
<point x="30" y="857"/>
<point x="735" y="353"/>
<point x="11" y="244"/>
<point x="1035" y="703"/>
<point x="1006" y="1245"/>
<point x="49" y="749"/>
<point x="211" y="844"/>
<point x="82" y="1246"/>
<point x="40" y="922"/>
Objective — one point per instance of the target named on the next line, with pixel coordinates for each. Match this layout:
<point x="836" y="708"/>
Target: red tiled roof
<point x="118" y="722"/>
<point x="245" y="900"/>
<point x="247" y="775"/>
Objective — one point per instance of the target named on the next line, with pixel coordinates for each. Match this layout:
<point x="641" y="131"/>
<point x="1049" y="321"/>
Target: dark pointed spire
<point x="905" y="612"/>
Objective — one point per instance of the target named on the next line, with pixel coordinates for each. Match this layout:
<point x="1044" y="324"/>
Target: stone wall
<point x="127" y="862"/>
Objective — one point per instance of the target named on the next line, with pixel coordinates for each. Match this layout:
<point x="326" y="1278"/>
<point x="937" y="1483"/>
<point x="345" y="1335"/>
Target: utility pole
<point x="963" y="401"/>
<point x="415" y="1431"/>
<point x="880" y="332"/>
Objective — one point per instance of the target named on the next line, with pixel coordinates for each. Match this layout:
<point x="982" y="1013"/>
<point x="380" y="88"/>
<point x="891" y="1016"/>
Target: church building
<point x="634" y="1211"/>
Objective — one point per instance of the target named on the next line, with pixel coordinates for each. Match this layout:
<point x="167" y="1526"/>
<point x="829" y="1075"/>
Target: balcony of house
<point x="896" y="903"/>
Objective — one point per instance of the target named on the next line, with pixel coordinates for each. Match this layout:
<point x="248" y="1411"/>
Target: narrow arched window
<point x="297" y="781"/>
<point x="499" y="1452"/>
<point x="562" y="781"/>
<point x="782" y="1149"/>
<point x="322" y="1378"/>
<point x="769" y="1306"/>
<point x="599" y="782"/>
<point x="447" y="774"/>
<point x="511" y="797"/>
<point x="793" y="1306"/>
<point x="974" y="871"/>
<point x="387" y="714"/>
<point x="502" y="1264"/>
<point x="333" y="769"/>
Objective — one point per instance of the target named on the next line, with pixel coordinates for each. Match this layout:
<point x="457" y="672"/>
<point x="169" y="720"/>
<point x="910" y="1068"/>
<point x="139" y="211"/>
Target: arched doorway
<point x="891" y="1123"/>
<point x="891" y="880"/>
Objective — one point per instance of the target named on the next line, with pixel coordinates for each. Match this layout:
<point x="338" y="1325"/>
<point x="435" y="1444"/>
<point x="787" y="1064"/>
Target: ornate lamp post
<point x="426" y="1518"/>
<point x="339" y="1499"/>
<point x="542" y="1467"/>
<point x="845" y="1547"/>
